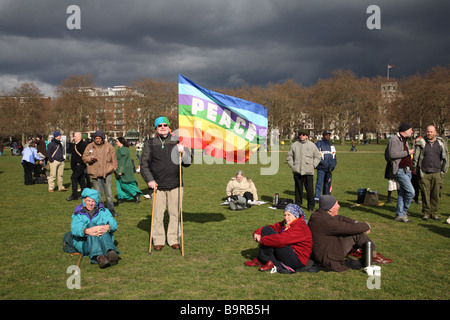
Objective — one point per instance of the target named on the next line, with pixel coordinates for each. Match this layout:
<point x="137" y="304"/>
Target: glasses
<point x="162" y="125"/>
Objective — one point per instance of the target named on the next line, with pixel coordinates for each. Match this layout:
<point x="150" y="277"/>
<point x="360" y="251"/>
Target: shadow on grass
<point x="443" y="231"/>
<point x="249" y="254"/>
<point x="387" y="210"/>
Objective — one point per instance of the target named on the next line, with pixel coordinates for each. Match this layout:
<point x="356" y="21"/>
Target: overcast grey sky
<point x="218" y="43"/>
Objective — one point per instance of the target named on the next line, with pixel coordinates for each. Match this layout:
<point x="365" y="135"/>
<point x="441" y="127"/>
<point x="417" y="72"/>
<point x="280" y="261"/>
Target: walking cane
<point x="181" y="208"/>
<point x="151" y="225"/>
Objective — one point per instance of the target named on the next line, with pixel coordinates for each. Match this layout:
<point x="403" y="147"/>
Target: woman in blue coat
<point x="93" y="228"/>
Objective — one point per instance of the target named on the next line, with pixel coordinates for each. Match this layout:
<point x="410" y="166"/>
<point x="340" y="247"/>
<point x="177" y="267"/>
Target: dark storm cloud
<point x="218" y="43"/>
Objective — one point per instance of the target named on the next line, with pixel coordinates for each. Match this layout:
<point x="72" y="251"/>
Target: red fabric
<point x="298" y="236"/>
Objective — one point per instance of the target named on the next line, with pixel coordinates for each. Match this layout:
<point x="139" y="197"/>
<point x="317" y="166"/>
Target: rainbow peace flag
<point x="224" y="126"/>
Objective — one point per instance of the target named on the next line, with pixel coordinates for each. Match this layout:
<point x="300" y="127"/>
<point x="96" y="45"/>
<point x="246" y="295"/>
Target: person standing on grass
<point x="160" y="170"/>
<point x="29" y="158"/>
<point x="126" y="183"/>
<point x="398" y="153"/>
<point x="326" y="166"/>
<point x="55" y="154"/>
<point x="101" y="161"/>
<point x="76" y="149"/>
<point x="303" y="157"/>
<point x="431" y="164"/>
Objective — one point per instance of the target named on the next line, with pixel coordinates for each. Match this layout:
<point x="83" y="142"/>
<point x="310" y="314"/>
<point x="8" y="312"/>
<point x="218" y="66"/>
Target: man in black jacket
<point x="76" y="149"/>
<point x="160" y="170"/>
<point x="55" y="156"/>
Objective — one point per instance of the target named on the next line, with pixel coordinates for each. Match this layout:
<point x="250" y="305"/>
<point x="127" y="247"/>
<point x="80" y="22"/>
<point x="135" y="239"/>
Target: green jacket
<point x="124" y="165"/>
<point x="303" y="157"/>
<point x="418" y="155"/>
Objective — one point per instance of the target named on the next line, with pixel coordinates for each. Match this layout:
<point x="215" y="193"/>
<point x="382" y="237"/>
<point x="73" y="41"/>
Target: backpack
<point x="238" y="203"/>
<point x="282" y="203"/>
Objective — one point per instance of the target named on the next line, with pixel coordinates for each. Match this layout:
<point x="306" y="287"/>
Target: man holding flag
<point x="160" y="170"/>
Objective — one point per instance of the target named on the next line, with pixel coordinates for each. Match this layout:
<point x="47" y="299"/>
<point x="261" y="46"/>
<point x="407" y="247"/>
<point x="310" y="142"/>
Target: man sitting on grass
<point x="335" y="236"/>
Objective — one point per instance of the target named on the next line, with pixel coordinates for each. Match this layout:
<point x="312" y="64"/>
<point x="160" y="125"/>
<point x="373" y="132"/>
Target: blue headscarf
<point x="295" y="210"/>
<point x="91" y="193"/>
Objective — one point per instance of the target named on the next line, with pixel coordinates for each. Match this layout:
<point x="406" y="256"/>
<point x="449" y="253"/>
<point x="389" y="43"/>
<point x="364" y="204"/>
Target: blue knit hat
<point x="161" y="120"/>
<point x="56" y="134"/>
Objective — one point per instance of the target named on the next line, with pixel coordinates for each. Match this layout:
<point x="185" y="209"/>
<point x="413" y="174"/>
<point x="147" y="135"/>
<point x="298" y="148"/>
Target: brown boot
<point x="102" y="261"/>
<point x="112" y="257"/>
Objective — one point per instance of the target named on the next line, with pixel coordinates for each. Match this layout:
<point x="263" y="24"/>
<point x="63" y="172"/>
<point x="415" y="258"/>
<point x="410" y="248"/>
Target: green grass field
<point x="217" y="241"/>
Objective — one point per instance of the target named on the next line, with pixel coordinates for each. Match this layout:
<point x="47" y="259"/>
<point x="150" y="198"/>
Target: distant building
<point x="115" y="111"/>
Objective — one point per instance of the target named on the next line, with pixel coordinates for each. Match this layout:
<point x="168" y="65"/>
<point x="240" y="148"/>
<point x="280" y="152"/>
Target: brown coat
<point x="329" y="234"/>
<point x="106" y="159"/>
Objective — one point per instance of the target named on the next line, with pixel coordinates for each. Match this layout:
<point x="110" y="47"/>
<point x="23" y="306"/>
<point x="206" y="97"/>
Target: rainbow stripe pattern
<point x="224" y="126"/>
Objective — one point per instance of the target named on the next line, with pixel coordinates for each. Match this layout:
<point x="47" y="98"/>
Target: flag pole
<point x="180" y="200"/>
<point x="180" y="190"/>
<point x="388" y="72"/>
<point x="151" y="224"/>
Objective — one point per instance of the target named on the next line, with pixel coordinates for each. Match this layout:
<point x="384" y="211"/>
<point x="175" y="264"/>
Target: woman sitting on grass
<point x="286" y="244"/>
<point x="242" y="186"/>
<point x="93" y="228"/>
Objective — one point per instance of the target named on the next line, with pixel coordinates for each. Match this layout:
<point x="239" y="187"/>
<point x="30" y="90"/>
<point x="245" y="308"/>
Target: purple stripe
<point x="187" y="100"/>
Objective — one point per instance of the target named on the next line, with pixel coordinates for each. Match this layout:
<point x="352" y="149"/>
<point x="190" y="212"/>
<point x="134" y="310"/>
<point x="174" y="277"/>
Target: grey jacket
<point x="303" y="157"/>
<point x="395" y="152"/>
<point x="418" y="156"/>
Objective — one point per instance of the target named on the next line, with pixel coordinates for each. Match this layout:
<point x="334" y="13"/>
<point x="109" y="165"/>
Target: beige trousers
<point x="56" y="173"/>
<point x="166" y="199"/>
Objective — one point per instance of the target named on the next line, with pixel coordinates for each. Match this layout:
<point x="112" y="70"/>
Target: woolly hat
<point x="99" y="133"/>
<point x="295" y="210"/>
<point x="404" y="126"/>
<point x="303" y="132"/>
<point x="326" y="202"/>
<point x="56" y="134"/>
<point x="161" y="120"/>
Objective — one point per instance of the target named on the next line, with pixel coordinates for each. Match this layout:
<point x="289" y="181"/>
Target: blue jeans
<point x="323" y="181"/>
<point x="406" y="192"/>
<point x="101" y="185"/>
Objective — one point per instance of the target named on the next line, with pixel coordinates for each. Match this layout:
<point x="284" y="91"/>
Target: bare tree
<point x="27" y="110"/>
<point x="157" y="98"/>
<point x="75" y="103"/>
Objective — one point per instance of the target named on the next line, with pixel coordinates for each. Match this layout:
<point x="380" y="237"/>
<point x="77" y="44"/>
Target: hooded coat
<point x="82" y="220"/>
